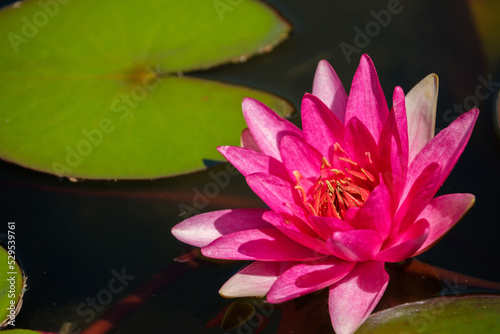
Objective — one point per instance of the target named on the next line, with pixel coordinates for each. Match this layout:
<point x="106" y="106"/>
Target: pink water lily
<point x="350" y="191"/>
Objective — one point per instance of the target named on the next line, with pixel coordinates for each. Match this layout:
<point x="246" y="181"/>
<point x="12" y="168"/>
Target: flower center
<point x="334" y="191"/>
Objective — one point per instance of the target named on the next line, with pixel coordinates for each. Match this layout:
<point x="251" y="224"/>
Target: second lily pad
<point x="468" y="314"/>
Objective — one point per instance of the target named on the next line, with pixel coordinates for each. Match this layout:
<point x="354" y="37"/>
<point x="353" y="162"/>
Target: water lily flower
<point x="350" y="191"/>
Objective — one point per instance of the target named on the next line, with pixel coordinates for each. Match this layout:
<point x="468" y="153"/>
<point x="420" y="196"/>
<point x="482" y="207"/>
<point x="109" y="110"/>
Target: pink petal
<point x="358" y="141"/>
<point x="393" y="146"/>
<point x="375" y="214"/>
<point x="355" y="245"/>
<point x="408" y="245"/>
<point x="366" y="99"/>
<point x="274" y="191"/>
<point x="308" y="277"/>
<point x="297" y="155"/>
<point x="421" y="104"/>
<point x="303" y="185"/>
<point x="445" y="148"/>
<point x="350" y="214"/>
<point x="328" y="88"/>
<point x="420" y="193"/>
<point x="265" y="244"/>
<point x="249" y="162"/>
<point x="266" y="127"/>
<point x="443" y="213"/>
<point x="320" y="126"/>
<point x="296" y="230"/>
<point x="353" y="298"/>
<point x="326" y="226"/>
<point x="204" y="228"/>
<point x="247" y="141"/>
<point x="254" y="280"/>
<point x="298" y="211"/>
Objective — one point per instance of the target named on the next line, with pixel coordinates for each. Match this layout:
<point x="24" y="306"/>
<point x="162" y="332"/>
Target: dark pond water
<point x="73" y="238"/>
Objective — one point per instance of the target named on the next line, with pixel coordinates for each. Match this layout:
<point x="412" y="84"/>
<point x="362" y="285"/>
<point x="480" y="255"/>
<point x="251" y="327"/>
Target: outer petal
<point x="297" y="230"/>
<point x="445" y="148"/>
<point x="265" y="244"/>
<point x="266" y="127"/>
<point x="393" y="145"/>
<point x="320" y="126"/>
<point x="420" y="193"/>
<point x="443" y="213"/>
<point x="328" y="88"/>
<point x="366" y="99"/>
<point x="204" y="228"/>
<point x="408" y="245"/>
<point x="254" y="280"/>
<point x="248" y="161"/>
<point x="326" y="226"/>
<point x="308" y="277"/>
<point x="274" y="191"/>
<point x="421" y="104"/>
<point x="297" y="155"/>
<point x="354" y="297"/>
<point x="355" y="245"/>
<point x="247" y="141"/>
<point x="375" y="214"/>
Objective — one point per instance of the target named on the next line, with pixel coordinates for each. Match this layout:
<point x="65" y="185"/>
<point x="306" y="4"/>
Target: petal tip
<point x="472" y="202"/>
<point x="432" y="78"/>
<point x="250" y="104"/>
<point x="365" y="57"/>
<point x="366" y="62"/>
<point x="248" y="100"/>
<point x="179" y="233"/>
<point x="475" y="111"/>
<point x="323" y="65"/>
<point x="398" y="90"/>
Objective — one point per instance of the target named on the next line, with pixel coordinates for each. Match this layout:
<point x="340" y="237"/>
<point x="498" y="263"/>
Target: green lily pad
<point x="93" y="89"/>
<point x="11" y="284"/>
<point x="457" y="315"/>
